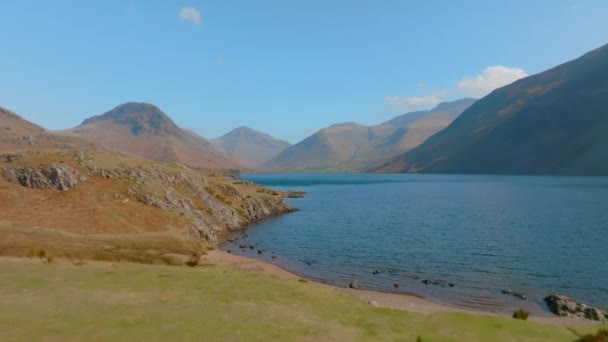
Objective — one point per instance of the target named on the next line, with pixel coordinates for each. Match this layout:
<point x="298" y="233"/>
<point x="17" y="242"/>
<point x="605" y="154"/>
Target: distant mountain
<point x="555" y="122"/>
<point x="250" y="147"/>
<point x="353" y="147"/>
<point x="143" y="129"/>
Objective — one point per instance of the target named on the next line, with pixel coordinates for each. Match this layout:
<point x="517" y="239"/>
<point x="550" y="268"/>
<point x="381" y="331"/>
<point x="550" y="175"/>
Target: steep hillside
<point x="555" y="122"/>
<point x="18" y="134"/>
<point x="353" y="147"/>
<point x="61" y="196"/>
<point x="143" y="129"/>
<point x="250" y="147"/>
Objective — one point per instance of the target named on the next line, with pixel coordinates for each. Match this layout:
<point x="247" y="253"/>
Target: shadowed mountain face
<point x="555" y="122"/>
<point x="143" y="129"/>
<point x="250" y="147"/>
<point x="353" y="147"/>
<point x="141" y="118"/>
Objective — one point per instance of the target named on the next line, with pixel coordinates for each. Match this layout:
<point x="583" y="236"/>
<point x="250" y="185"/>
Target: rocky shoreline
<point x="562" y="305"/>
<point x="213" y="205"/>
<point x="559" y="305"/>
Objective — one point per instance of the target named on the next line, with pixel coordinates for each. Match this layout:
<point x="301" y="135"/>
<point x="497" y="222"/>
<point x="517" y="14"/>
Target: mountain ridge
<point x="143" y="129"/>
<point x="249" y="146"/>
<point x="553" y="122"/>
<point x="353" y="147"/>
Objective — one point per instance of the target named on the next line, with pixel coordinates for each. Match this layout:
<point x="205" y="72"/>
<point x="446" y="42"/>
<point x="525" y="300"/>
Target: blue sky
<point x="283" y="67"/>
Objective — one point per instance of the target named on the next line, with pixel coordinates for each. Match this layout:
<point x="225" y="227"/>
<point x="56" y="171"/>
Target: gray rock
<point x="565" y="306"/>
<point x="56" y="176"/>
<point x="354" y="284"/>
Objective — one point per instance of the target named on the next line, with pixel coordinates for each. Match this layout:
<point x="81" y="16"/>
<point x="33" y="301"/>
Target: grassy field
<point x="123" y="301"/>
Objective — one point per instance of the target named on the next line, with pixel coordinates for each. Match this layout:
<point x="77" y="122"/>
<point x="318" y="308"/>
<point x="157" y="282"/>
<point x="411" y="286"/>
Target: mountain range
<point x="354" y="147"/>
<point x="249" y="147"/>
<point x="554" y="122"/>
<point x="143" y="129"/>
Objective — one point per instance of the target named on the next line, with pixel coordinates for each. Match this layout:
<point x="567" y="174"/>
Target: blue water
<point x="536" y="235"/>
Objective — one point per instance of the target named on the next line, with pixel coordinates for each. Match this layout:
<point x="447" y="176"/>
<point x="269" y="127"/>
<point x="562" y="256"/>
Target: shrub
<point x="42" y="254"/>
<point x="210" y="211"/>
<point x="303" y="280"/>
<point x="50" y="259"/>
<point x="600" y="336"/>
<point x="194" y="260"/>
<point x="521" y="314"/>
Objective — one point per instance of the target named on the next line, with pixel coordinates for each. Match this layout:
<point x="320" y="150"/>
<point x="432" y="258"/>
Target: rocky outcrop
<point x="292" y="193"/>
<point x="519" y="295"/>
<point x="215" y="208"/>
<point x="212" y="205"/>
<point x="441" y="283"/>
<point x="55" y="176"/>
<point x="565" y="306"/>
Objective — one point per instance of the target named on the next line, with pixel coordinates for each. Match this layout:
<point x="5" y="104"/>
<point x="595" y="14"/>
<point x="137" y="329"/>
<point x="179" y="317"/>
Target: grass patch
<point x="123" y="301"/>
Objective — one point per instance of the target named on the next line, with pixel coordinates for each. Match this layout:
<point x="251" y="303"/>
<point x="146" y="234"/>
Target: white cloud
<point x="399" y="102"/>
<point x="489" y="79"/>
<point x="191" y="14"/>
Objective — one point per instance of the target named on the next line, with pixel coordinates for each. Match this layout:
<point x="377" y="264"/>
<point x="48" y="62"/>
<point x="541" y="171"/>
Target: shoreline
<point x="398" y="301"/>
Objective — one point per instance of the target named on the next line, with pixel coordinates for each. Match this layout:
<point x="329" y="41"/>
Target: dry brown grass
<point x="149" y="248"/>
<point x="100" y="220"/>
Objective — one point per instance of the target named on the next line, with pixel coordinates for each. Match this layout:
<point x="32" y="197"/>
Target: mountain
<point x="554" y="122"/>
<point x="353" y="147"/>
<point x="249" y="147"/>
<point x="143" y="129"/>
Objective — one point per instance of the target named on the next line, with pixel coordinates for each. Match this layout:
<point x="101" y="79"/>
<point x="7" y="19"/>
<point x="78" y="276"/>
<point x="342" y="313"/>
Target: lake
<point x="482" y="234"/>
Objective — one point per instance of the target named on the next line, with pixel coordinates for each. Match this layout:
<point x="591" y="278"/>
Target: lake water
<point x="483" y="234"/>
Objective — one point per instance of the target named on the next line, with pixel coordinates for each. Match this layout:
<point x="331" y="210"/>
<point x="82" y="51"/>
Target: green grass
<point x="123" y="301"/>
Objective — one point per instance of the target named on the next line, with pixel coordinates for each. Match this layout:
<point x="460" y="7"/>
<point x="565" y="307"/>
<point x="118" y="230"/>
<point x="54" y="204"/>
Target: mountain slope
<point x="18" y="134"/>
<point x="143" y="129"/>
<point x="353" y="147"/>
<point x="66" y="197"/>
<point x="250" y="147"/>
<point x="555" y="122"/>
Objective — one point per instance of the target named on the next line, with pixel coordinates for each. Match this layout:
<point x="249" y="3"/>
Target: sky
<point x="284" y="67"/>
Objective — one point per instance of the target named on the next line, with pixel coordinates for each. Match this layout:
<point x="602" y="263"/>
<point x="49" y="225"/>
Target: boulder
<point x="56" y="176"/>
<point x="354" y="284"/>
<point x="565" y="306"/>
